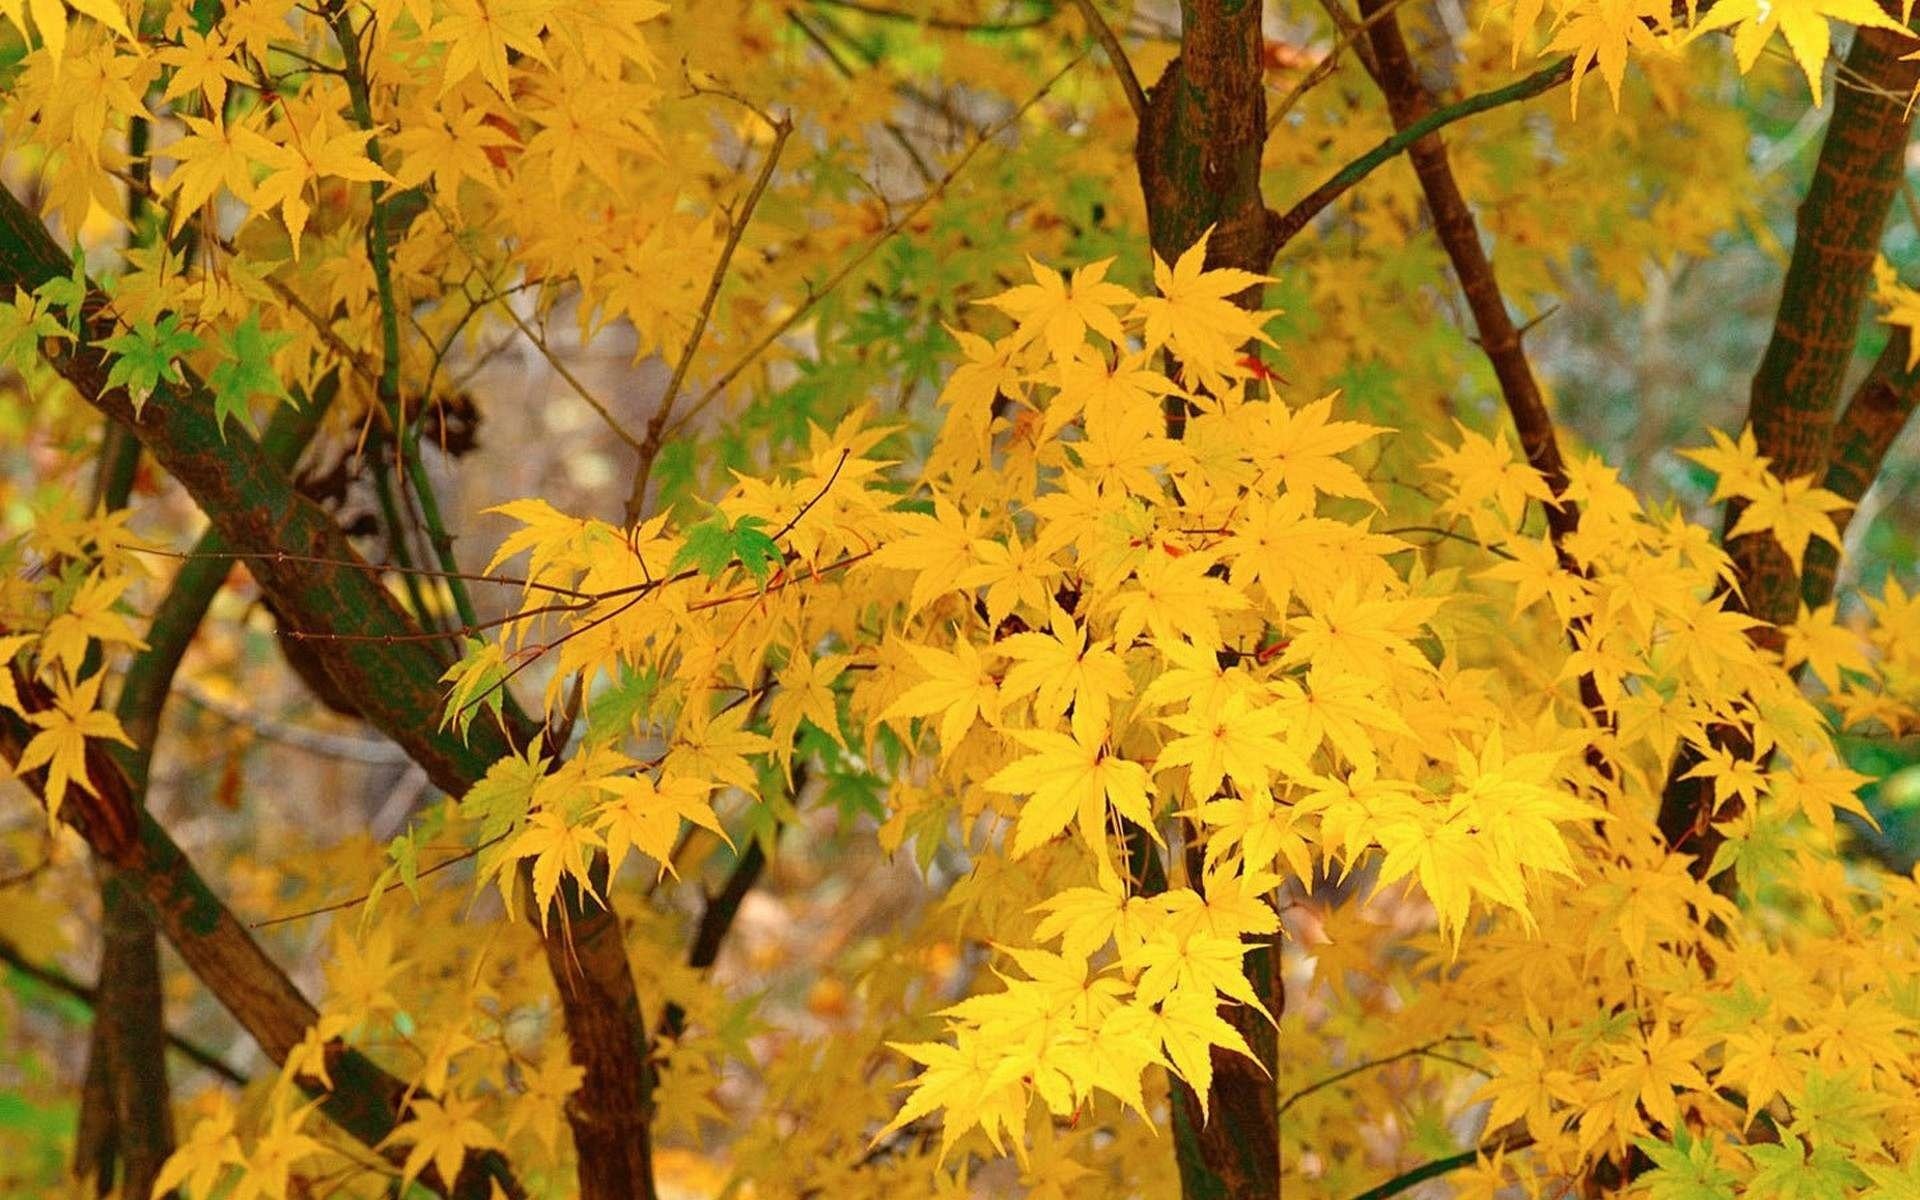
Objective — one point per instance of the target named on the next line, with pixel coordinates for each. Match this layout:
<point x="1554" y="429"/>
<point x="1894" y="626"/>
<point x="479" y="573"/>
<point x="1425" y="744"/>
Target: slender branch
<point x="60" y="981"/>
<point x="1865" y="431"/>
<point x="356" y="901"/>
<point x="1351" y="35"/>
<point x="805" y="308"/>
<point x="649" y="449"/>
<point x="579" y="389"/>
<point x="1117" y="55"/>
<point x="1315" y="202"/>
<point x="1499" y="338"/>
<point x="379" y="255"/>
<point x="1423" y="1050"/>
<point x="1442" y="1166"/>
<point x="933" y="21"/>
<point x="364" y="1100"/>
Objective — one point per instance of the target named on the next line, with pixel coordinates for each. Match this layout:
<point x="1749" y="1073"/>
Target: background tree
<point x="1205" y="717"/>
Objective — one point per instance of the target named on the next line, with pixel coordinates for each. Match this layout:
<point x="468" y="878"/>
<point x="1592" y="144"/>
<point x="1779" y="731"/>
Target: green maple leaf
<point x="1685" y="1170"/>
<point x="68" y="292"/>
<point x="246" y="373"/>
<point x="1788" y="1173"/>
<point x="147" y="355"/>
<point x="713" y="545"/>
<point x="22" y="326"/>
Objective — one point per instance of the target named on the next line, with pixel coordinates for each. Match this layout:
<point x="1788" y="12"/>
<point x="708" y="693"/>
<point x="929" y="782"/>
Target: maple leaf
<point x="204" y="63"/>
<point x="1196" y="318"/>
<point x="542" y="1102"/>
<point x="1686" y="1169"/>
<point x="302" y="158"/>
<point x="440" y="1132"/>
<point x="1174" y="597"/>
<point x="196" y="1165"/>
<point x="959" y="689"/>
<point x="1604" y="33"/>
<point x="147" y="355"/>
<point x="92" y="614"/>
<point x="646" y="816"/>
<point x="1068" y="778"/>
<point x="1064" y="668"/>
<point x="246" y="373"/>
<point x="1803" y="22"/>
<point x="211" y="156"/>
<point x="1824" y="644"/>
<point x="481" y="34"/>
<point x="1739" y="467"/>
<point x="61" y="744"/>
<point x="558" y="847"/>
<point x="1300" y="449"/>
<point x="1794" y="512"/>
<point x="1058" y="309"/>
<point x="1239" y="740"/>
<point x="1189" y="1026"/>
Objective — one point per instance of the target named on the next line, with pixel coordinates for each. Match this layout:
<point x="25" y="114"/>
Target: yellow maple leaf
<point x="645" y="816"/>
<point x="558" y="847"/>
<point x="61" y="744"/>
<point x="1068" y="778"/>
<point x="1803" y="22"/>
<point x="1196" y="318"/>
<point x="1189" y="1026"/>
<point x="958" y="688"/>
<point x="1058" y="309"/>
<point x="1794" y="512"/>
<point x="440" y="1132"/>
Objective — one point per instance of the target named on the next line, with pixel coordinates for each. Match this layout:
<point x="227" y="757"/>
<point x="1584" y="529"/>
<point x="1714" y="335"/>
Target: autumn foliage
<point x="1093" y="475"/>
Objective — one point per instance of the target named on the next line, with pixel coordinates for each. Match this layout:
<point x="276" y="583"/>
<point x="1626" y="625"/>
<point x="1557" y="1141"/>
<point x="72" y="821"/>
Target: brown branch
<point x="396" y="685"/>
<point x="364" y="1100"/>
<point x="1410" y="103"/>
<point x="1866" y="430"/>
<point x="805" y="308"/>
<point x="1117" y="55"/>
<point x="1836" y="236"/>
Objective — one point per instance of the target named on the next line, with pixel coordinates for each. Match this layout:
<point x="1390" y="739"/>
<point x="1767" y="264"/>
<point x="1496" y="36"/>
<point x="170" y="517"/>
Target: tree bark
<point x="1198" y="157"/>
<point x="364" y="1100"/>
<point x="369" y="644"/>
<point x="1836" y="236"/>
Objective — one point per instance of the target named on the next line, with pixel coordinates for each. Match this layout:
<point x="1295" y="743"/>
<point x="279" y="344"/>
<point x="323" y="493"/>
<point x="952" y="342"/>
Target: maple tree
<point x="1106" y="466"/>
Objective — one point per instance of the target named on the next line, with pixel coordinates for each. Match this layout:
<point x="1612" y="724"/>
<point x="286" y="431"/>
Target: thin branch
<point x="313" y="741"/>
<point x="649" y="448"/>
<point x="1423" y="1050"/>
<point x="356" y="901"/>
<point x="933" y="21"/>
<point x="1413" y="109"/>
<point x="281" y="556"/>
<point x="803" y="310"/>
<point x="1442" y="1166"/>
<point x="1122" y="65"/>
<point x="60" y="981"/>
<point x="1315" y="202"/>
<point x="1350" y="37"/>
<point x="580" y="389"/>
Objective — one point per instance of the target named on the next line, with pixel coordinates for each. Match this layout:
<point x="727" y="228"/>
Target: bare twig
<point x="649" y="448"/>
<point x="1122" y="65"/>
<point x="801" y="311"/>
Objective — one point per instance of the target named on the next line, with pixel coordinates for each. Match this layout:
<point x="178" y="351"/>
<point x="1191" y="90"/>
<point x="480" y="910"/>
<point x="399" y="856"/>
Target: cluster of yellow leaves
<point x="1093" y="634"/>
<point x="1604" y="33"/>
<point x="1091" y="629"/>
<point x="52" y="636"/>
